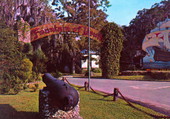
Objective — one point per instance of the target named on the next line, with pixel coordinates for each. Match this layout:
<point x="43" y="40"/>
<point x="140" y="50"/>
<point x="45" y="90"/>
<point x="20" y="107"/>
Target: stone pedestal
<point x="47" y="111"/>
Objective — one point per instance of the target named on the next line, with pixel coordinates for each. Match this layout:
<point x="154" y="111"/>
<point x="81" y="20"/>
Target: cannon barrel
<point x="61" y="94"/>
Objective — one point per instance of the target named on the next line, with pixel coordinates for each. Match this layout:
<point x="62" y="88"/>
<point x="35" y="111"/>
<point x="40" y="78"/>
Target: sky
<point x="123" y="11"/>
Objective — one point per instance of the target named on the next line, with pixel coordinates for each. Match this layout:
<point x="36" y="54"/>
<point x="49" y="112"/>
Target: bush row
<point x="162" y="75"/>
<point x="157" y="75"/>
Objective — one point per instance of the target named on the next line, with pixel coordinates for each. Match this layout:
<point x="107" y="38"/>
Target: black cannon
<point x="61" y="94"/>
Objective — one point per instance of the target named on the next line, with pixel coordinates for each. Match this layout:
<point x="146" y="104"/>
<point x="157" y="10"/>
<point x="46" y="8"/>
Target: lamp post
<point x="89" y="67"/>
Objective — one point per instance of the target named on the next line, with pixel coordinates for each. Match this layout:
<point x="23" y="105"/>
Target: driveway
<point x="155" y="95"/>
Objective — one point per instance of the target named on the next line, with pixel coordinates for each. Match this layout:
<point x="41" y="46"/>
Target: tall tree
<point x="10" y="60"/>
<point x="112" y="45"/>
<point x="10" y="54"/>
<point x="35" y="12"/>
<point x="76" y="11"/>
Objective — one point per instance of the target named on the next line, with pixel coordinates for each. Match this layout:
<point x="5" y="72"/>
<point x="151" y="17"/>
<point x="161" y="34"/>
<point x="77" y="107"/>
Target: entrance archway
<point x="61" y="28"/>
<point x="27" y="35"/>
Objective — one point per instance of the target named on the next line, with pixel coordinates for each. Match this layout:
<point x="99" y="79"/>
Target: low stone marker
<point x="58" y="100"/>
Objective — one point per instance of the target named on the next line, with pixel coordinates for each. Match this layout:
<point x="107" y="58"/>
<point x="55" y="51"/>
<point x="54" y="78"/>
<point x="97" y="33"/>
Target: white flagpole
<point x="89" y="67"/>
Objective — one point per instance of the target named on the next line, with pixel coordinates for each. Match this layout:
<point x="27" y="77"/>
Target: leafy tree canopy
<point x="35" y="12"/>
<point x="76" y="11"/>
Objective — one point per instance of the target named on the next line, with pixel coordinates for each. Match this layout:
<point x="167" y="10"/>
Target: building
<point x="157" y="46"/>
<point x="94" y="59"/>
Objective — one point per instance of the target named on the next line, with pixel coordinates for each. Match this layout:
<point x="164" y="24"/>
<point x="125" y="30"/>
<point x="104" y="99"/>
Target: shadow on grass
<point x="8" y="112"/>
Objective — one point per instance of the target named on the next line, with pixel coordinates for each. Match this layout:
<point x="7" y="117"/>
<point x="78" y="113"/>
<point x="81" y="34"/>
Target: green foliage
<point x="18" y="86"/>
<point x="61" y="52"/>
<point x="4" y="88"/>
<point x="35" y="77"/>
<point x="11" y="56"/>
<point x="10" y="60"/>
<point x="76" y="11"/>
<point x="10" y="85"/>
<point x="160" y="75"/>
<point x="112" y="44"/>
<point x="39" y="61"/>
<point x="25" y="71"/>
<point x="13" y="82"/>
<point x="57" y="74"/>
<point x="27" y="48"/>
<point x="96" y="70"/>
<point x="35" y="88"/>
<point x="26" y="65"/>
<point x="25" y="86"/>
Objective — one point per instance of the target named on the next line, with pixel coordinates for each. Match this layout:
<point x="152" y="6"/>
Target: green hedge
<point x="160" y="75"/>
<point x="111" y="47"/>
<point x="96" y="70"/>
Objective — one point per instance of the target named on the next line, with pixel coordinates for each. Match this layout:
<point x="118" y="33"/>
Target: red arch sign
<point x="60" y="28"/>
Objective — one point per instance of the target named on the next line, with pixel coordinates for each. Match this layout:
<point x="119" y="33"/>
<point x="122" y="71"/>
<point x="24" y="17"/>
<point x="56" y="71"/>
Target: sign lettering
<point x="58" y="28"/>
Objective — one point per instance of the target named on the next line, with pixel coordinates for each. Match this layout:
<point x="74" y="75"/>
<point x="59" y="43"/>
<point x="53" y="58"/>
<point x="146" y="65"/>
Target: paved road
<point x="153" y="94"/>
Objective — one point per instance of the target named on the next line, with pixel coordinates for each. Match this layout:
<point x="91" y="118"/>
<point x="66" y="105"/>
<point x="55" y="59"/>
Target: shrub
<point x="4" y="89"/>
<point x="33" y="87"/>
<point x="25" y="86"/>
<point x="96" y="70"/>
<point x="111" y="48"/>
<point x="39" y="60"/>
<point x="162" y="75"/>
<point x="10" y="54"/>
<point x="17" y="88"/>
<point x="6" y="85"/>
<point x="11" y="57"/>
<point x="87" y="73"/>
<point x="16" y="85"/>
<point x="25" y="70"/>
<point x="27" y="48"/>
<point x="11" y="85"/>
<point x="39" y="78"/>
<point x="57" y="74"/>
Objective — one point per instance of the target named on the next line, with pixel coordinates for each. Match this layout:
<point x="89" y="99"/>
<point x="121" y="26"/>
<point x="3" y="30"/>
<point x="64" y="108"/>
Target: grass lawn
<point x="25" y="106"/>
<point x="130" y="77"/>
